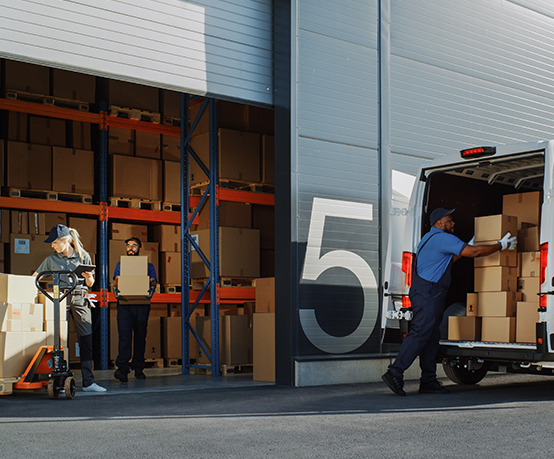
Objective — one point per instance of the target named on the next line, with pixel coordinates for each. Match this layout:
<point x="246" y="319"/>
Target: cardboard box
<point x="17" y="126"/>
<point x="132" y="95"/>
<point x="134" y="287"/>
<point x="5" y="226"/>
<point x="81" y="135"/>
<point x="139" y="178"/>
<point x="497" y="304"/>
<point x="21" y="76"/>
<point x="231" y="214"/>
<point x="239" y="156"/>
<point x="171" y="338"/>
<point x="498" y="329"/>
<point x="121" y="141"/>
<point x="527" y="316"/>
<point x="494" y="227"/>
<point x="235" y="339"/>
<point x="27" y="253"/>
<point x="171" y="148"/>
<point x="172" y="181"/>
<point x="525" y="206"/>
<point x="529" y="263"/>
<point x="17" y="289"/>
<point x="263" y="329"/>
<point x="529" y="287"/>
<point x="472" y="304"/>
<point x="170" y="268"/>
<point x="495" y="279"/>
<point x="133" y="266"/>
<point x="37" y="223"/>
<point x="87" y="228"/>
<point x="154" y="339"/>
<point x="268" y="159"/>
<point x="20" y="222"/>
<point x="147" y="145"/>
<point x="49" y="307"/>
<point x="117" y="249"/>
<point x="528" y="239"/>
<point x="265" y="295"/>
<point x="500" y="258"/>
<point x="29" y="166"/>
<point x="64" y="159"/>
<point x="169" y="237"/>
<point x="10" y="311"/>
<point x="10" y="325"/>
<point x="52" y="219"/>
<point x="47" y="131"/>
<point x="32" y="317"/>
<point x="239" y="253"/>
<point x="171" y="101"/>
<point x="464" y="328"/>
<point x="16" y="351"/>
<point x="123" y="231"/>
<point x="74" y="86"/>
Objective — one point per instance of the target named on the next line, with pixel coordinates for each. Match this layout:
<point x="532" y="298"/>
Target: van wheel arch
<point x="461" y="374"/>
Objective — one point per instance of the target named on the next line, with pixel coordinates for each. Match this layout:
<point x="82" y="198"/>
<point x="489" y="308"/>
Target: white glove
<point x="508" y="242"/>
<point x="472" y="242"/>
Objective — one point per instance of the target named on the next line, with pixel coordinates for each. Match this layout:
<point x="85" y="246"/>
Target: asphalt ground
<point x="507" y="416"/>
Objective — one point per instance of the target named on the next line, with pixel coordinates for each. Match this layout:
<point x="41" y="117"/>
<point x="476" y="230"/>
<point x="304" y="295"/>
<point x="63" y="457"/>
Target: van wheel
<point x="461" y="375"/>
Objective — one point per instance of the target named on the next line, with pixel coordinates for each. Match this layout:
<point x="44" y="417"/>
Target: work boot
<point x="139" y="374"/>
<point x="121" y="375"/>
<point x="433" y="387"/>
<point x="395" y="383"/>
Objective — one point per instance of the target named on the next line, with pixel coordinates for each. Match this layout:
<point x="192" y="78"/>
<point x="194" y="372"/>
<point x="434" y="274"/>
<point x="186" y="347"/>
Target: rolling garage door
<point x="213" y="47"/>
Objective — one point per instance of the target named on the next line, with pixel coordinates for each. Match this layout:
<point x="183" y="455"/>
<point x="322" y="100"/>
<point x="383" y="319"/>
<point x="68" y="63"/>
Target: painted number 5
<point x="315" y="265"/>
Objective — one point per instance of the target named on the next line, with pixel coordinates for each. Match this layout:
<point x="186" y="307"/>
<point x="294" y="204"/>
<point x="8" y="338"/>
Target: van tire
<point x="463" y="375"/>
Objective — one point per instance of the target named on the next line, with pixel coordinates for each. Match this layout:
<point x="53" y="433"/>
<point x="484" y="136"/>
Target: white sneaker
<point x="94" y="388"/>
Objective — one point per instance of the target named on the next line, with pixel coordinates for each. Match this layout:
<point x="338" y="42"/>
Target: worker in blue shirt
<point x="436" y="252"/>
<point x="132" y="319"/>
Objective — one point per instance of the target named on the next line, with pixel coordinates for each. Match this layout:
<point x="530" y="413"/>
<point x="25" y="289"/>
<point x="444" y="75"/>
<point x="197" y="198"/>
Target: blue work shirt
<point x="433" y="259"/>
<point x="151" y="271"/>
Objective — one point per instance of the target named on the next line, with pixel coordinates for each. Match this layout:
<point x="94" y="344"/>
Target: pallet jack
<point x="49" y="367"/>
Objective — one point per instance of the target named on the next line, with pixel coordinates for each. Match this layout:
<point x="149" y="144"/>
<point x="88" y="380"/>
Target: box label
<point x="22" y="246"/>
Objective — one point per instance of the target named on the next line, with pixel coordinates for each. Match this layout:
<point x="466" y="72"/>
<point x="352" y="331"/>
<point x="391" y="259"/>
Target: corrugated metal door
<point x="213" y="47"/>
<point x="469" y="73"/>
<point x="335" y="170"/>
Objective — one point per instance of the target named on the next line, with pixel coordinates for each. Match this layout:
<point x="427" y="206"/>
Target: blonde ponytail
<point x="75" y="240"/>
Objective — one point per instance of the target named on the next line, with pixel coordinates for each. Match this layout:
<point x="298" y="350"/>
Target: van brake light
<point x="406" y="303"/>
<point x="408" y="267"/>
<point x="542" y="273"/>
<point x="471" y="153"/>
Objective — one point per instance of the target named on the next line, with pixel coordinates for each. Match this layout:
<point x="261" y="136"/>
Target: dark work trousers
<point x="428" y="305"/>
<point x="132" y="322"/>
<point x="82" y="319"/>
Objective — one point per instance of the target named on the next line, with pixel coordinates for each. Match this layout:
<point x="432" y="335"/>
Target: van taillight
<point x="408" y="267"/>
<point x="406" y="303"/>
<point x="542" y="273"/>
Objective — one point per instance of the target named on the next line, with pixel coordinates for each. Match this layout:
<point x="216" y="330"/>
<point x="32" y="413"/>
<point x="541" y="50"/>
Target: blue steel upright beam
<point x="185" y="225"/>
<point x="102" y="267"/>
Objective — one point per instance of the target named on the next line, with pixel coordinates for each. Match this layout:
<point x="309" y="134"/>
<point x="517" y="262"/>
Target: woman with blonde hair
<point x="68" y="254"/>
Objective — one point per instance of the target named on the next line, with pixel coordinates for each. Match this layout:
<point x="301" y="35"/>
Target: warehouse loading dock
<point x="50" y="125"/>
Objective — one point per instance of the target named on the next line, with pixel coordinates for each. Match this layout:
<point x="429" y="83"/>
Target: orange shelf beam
<point x="49" y="206"/>
<point x="248" y="197"/>
<point x="49" y="110"/>
<point x="144" y="126"/>
<point x="226" y="295"/>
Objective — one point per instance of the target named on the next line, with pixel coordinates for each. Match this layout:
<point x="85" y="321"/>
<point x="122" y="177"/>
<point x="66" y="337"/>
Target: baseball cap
<point x="437" y="214"/>
<point x="57" y="232"/>
<point x="136" y="239"/>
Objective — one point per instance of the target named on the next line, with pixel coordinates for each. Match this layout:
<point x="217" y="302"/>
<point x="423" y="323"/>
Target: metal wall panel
<point x="469" y="73"/>
<point x="335" y="135"/>
<point x="212" y="47"/>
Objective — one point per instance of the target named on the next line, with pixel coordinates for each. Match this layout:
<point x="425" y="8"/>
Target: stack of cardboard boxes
<point x="26" y="323"/>
<point x="504" y="308"/>
<point x="264" y="331"/>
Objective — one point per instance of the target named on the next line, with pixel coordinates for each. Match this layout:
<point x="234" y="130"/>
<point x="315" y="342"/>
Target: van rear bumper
<point x="501" y="352"/>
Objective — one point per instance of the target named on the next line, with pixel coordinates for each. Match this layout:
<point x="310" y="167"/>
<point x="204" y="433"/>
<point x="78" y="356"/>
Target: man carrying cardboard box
<point x="431" y="279"/>
<point x="132" y="318"/>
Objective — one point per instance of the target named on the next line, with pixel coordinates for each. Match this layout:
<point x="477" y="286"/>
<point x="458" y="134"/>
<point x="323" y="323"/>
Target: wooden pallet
<point x="171" y="207"/>
<point x="6" y="385"/>
<point x="50" y="195"/>
<point x="170" y="121"/>
<point x="46" y="100"/>
<point x="133" y="203"/>
<point x="172" y="363"/>
<point x="198" y="284"/>
<point x="226" y="370"/>
<point x="198" y="189"/>
<point x="172" y="288"/>
<point x="154" y="363"/>
<point x="134" y="114"/>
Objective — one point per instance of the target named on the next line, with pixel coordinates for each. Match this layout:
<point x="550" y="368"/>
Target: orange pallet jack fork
<point x="48" y="366"/>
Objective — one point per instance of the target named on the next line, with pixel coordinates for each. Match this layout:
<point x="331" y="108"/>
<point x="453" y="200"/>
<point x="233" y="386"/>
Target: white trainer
<point x="94" y="388"/>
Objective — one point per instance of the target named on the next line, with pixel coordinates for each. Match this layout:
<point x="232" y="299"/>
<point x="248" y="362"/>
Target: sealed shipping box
<point x="169" y="237"/>
<point x="525" y="206"/>
<point x="265" y="294"/>
<point x="29" y="166"/>
<point x="27" y="252"/>
<point x="500" y="258"/>
<point x="80" y="161"/>
<point x="497" y="304"/>
<point x="117" y="249"/>
<point x="464" y="328"/>
<point x="170" y="268"/>
<point x="139" y="178"/>
<point x="73" y="86"/>
<point x="529" y="264"/>
<point x="132" y="95"/>
<point x="263" y="329"/>
<point x="21" y="76"/>
<point x="16" y="351"/>
<point x="526" y="322"/>
<point x="494" y="227"/>
<point x="121" y="141"/>
<point x="529" y="287"/>
<point x="472" y="304"/>
<point x="47" y="131"/>
<point x="528" y="239"/>
<point x="124" y="231"/>
<point x="496" y="279"/>
<point x="498" y="329"/>
<point x="232" y="214"/>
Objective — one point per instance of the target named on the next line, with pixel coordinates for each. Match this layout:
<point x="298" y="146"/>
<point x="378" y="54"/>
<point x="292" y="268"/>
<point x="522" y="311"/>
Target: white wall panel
<point x="216" y="47"/>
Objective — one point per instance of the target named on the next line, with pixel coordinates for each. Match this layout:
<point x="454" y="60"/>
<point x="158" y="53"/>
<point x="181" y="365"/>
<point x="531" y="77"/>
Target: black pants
<point x="132" y="322"/>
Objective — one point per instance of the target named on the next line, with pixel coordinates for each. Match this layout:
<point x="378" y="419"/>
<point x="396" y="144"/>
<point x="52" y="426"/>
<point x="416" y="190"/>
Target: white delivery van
<point x="480" y="182"/>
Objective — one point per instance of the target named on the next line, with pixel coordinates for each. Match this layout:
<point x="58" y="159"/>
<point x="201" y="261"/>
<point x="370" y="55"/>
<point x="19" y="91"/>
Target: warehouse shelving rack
<point x="103" y="212"/>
